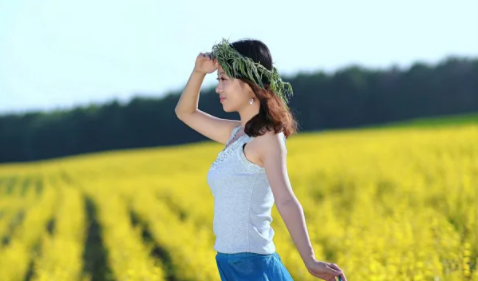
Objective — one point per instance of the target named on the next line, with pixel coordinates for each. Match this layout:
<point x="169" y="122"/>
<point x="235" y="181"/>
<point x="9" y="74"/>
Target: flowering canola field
<point x="383" y="204"/>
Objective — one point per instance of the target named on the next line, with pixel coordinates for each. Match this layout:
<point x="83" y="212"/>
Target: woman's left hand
<point x="325" y="270"/>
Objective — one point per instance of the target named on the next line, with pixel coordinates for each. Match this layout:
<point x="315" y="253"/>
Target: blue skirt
<point x="251" y="267"/>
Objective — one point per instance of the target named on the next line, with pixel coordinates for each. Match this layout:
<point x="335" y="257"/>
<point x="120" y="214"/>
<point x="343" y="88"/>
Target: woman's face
<point x="234" y="94"/>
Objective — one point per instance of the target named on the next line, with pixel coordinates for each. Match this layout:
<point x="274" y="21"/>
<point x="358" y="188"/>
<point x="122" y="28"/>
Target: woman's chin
<point x="225" y="108"/>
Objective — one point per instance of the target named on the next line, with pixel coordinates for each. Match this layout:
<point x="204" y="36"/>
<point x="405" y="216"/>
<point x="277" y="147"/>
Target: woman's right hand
<point x="325" y="270"/>
<point x="205" y="63"/>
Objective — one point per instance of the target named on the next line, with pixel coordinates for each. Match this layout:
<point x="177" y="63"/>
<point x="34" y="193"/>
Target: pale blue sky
<point x="58" y="53"/>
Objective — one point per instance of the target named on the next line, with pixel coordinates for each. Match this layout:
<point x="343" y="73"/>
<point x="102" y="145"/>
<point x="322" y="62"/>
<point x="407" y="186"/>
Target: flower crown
<point x="238" y="66"/>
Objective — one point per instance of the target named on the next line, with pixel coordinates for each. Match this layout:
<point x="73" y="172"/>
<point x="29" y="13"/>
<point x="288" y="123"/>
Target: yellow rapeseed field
<point x="383" y="204"/>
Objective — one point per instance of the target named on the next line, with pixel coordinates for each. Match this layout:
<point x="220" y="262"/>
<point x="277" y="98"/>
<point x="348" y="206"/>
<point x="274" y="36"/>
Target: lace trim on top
<point x="233" y="134"/>
<point x="230" y="149"/>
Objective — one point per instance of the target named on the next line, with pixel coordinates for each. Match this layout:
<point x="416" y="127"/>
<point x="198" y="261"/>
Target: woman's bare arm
<point x="187" y="110"/>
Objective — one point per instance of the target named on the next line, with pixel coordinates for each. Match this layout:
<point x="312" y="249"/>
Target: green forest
<point x="351" y="97"/>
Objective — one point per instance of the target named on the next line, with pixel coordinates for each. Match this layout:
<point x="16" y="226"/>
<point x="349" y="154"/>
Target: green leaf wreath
<point x="238" y="66"/>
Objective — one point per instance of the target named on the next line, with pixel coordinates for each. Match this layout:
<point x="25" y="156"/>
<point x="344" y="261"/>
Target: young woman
<point x="250" y="174"/>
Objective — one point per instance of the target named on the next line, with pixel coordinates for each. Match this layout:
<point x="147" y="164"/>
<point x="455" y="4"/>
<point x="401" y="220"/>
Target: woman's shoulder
<point x="271" y="139"/>
<point x="271" y="135"/>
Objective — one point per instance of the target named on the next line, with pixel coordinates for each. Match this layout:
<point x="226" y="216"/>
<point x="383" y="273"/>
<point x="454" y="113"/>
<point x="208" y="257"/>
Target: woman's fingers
<point x="334" y="266"/>
<point x="207" y="55"/>
<point x="341" y="277"/>
<point x="336" y="278"/>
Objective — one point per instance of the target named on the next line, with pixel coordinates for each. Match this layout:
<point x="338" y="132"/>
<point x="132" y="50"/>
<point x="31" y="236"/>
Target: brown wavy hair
<point x="273" y="115"/>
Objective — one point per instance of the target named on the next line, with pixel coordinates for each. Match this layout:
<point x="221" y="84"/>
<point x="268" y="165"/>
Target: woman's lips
<point x="222" y="99"/>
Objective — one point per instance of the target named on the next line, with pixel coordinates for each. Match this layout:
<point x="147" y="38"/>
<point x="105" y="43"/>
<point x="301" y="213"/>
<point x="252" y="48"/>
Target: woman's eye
<point x="220" y="79"/>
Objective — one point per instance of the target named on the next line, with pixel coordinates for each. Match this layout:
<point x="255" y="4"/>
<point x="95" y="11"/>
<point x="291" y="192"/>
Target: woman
<point x="250" y="174"/>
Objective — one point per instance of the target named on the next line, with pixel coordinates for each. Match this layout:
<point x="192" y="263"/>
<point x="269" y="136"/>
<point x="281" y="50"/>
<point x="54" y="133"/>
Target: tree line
<point x="351" y="97"/>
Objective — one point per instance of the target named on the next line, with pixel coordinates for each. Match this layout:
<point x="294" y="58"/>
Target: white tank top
<point x="243" y="201"/>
